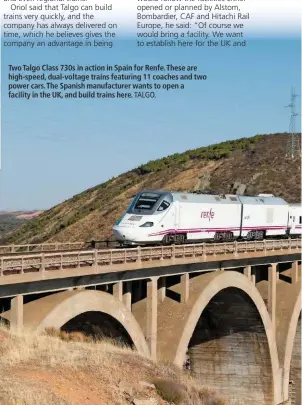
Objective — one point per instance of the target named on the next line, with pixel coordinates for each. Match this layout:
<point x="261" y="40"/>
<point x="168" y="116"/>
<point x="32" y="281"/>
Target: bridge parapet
<point x="53" y="246"/>
<point x="18" y="264"/>
<point x="41" y="247"/>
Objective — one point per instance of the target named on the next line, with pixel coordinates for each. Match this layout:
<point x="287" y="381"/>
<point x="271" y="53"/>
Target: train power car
<point x="162" y="217"/>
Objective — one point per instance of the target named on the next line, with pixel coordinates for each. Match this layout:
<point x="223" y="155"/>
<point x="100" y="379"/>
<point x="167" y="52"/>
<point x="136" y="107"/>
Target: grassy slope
<point x="258" y="162"/>
<point x="10" y="221"/>
<point x="42" y="369"/>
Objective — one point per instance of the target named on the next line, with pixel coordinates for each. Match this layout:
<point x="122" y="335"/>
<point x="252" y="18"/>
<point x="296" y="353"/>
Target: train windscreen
<point x="146" y="201"/>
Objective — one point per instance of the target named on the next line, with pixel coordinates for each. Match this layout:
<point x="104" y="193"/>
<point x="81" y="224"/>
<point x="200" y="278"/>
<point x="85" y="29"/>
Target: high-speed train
<point x="163" y="217"/>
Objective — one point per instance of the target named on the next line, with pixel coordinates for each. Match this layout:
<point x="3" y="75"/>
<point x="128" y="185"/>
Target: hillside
<point x="258" y="163"/>
<point x="11" y="220"/>
<point x="72" y="369"/>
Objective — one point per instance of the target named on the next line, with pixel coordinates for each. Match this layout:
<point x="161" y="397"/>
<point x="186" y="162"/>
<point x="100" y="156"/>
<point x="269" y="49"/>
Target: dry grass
<point x="50" y="350"/>
<point x="14" y="392"/>
<point x="57" y="368"/>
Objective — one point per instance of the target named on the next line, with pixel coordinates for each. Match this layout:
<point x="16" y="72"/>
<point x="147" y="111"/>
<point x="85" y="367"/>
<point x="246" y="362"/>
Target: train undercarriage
<point x="180" y="239"/>
<point x="219" y="237"/>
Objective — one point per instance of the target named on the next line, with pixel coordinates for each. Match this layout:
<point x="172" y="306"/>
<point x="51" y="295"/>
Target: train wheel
<point x="223" y="237"/>
<point x="166" y="240"/>
<point x="182" y="239"/>
<point x="250" y="235"/>
<point x="259" y="235"/>
<point x="229" y="236"/>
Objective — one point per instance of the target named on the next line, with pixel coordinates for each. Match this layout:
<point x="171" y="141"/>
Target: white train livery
<point x="162" y="217"/>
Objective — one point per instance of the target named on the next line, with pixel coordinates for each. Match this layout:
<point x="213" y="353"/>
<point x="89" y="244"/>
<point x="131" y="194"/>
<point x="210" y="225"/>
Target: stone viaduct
<point x="233" y="309"/>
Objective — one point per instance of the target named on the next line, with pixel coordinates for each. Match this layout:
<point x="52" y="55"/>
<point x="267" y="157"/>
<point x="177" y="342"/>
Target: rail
<point x="55" y="246"/>
<point x="41" y="262"/>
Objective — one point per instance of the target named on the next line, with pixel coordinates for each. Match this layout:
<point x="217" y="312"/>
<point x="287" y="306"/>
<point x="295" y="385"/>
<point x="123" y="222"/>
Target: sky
<point x="54" y="149"/>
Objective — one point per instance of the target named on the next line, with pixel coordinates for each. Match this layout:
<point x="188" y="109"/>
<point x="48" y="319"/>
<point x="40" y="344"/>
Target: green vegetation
<point x="9" y="222"/>
<point x="212" y="152"/>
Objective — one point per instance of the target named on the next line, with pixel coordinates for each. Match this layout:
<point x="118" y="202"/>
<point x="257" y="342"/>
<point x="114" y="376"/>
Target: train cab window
<point x="163" y="206"/>
<point x="146" y="201"/>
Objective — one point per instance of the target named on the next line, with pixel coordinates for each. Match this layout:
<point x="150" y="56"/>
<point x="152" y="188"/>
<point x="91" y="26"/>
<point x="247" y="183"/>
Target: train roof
<point x="205" y="198"/>
<point x="262" y="199"/>
<point x="266" y="199"/>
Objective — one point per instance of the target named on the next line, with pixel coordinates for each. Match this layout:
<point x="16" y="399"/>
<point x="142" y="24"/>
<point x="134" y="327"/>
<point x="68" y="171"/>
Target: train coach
<point x="163" y="217"/>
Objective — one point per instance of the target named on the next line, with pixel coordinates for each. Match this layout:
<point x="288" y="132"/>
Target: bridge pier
<point x="152" y="299"/>
<point x="161" y="289"/>
<point x="118" y="290"/>
<point x="272" y="293"/>
<point x="248" y="272"/>
<point x="295" y="272"/>
<point x="16" y="319"/>
<point x="127" y="297"/>
<point x="184" y="287"/>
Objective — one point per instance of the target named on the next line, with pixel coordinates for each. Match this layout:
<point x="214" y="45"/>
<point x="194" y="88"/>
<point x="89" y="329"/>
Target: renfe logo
<point x="207" y="214"/>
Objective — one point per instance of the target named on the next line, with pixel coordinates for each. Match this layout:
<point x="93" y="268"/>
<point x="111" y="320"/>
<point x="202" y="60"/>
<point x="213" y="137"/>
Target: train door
<point x="294" y="221"/>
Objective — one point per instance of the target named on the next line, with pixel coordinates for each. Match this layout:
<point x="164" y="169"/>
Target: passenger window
<point x="300" y="220"/>
<point x="163" y="206"/>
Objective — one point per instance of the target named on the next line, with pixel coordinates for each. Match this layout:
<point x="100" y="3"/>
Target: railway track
<point x="34" y="262"/>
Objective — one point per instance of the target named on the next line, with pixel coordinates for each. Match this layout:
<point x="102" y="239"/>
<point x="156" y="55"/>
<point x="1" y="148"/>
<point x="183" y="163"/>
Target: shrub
<point x="204" y="396"/>
<point x="68" y="336"/>
<point x="170" y="391"/>
<point x="52" y="331"/>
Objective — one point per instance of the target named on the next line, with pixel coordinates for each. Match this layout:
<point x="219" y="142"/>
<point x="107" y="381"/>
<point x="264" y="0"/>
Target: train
<point x="159" y="217"/>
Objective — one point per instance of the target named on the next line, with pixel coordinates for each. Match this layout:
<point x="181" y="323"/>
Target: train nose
<point x="123" y="235"/>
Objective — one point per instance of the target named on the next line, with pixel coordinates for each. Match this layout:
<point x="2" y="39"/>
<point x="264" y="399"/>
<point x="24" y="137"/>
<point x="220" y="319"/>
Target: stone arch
<point x="207" y="287"/>
<point x="57" y="309"/>
<point x="289" y="343"/>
